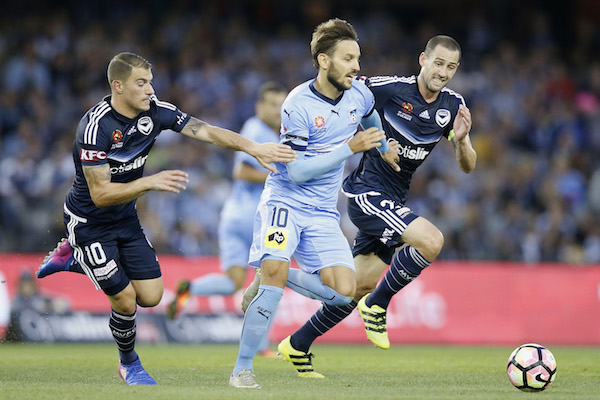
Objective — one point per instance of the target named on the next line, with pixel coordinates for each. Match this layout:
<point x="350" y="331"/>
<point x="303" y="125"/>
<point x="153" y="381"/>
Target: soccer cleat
<point x="181" y="298"/>
<point x="300" y="360"/>
<point x="374" y="318"/>
<point x="251" y="291"/>
<point x="135" y="374"/>
<point x="57" y="260"/>
<point x="243" y="380"/>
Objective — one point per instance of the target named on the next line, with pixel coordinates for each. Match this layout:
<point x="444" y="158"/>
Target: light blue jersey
<point x="317" y="125"/>
<point x="237" y="215"/>
<point x="301" y="220"/>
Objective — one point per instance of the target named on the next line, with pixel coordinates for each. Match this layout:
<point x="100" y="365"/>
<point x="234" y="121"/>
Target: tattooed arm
<point x="265" y="153"/>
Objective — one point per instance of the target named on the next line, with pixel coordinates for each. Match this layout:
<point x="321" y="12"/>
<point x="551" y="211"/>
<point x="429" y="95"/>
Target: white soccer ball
<point x="531" y="367"/>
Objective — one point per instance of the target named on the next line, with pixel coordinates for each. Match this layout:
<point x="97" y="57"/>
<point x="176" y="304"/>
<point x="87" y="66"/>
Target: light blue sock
<point x="256" y="320"/>
<point x="212" y="284"/>
<point x="264" y="343"/>
<point x="310" y="285"/>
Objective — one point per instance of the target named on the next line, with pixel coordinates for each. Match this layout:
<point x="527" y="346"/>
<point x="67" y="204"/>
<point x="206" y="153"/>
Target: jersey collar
<point x="117" y="115"/>
<point x="322" y="96"/>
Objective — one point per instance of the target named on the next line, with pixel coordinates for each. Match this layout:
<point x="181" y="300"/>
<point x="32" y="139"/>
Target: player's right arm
<point x="265" y="153"/>
<point x="105" y="193"/>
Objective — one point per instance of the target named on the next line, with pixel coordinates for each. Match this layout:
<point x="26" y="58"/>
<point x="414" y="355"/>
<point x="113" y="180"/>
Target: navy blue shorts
<point x="380" y="222"/>
<point x="111" y="254"/>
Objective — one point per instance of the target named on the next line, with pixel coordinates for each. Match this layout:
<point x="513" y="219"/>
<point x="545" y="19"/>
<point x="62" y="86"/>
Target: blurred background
<point x="530" y="74"/>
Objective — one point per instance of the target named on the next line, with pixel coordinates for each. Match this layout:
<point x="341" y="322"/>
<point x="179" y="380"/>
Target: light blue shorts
<point x="311" y="235"/>
<point x="235" y="233"/>
<point x="235" y="239"/>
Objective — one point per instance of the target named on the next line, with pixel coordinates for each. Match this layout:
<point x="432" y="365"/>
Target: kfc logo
<point x="92" y="155"/>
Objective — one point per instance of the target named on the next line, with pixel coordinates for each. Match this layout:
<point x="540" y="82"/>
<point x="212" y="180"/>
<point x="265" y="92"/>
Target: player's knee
<point x="431" y="245"/>
<point x="346" y="289"/>
<point x="124" y="301"/>
<point x="149" y="299"/>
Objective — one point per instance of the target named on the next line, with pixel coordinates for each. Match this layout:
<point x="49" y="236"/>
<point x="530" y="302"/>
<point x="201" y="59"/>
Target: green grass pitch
<point x="89" y="371"/>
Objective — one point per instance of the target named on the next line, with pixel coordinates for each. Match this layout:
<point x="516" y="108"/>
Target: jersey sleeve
<point x="367" y="97"/>
<point x="457" y="100"/>
<point x="294" y="127"/>
<point x="382" y="87"/>
<point x="92" y="141"/>
<point x="169" y="115"/>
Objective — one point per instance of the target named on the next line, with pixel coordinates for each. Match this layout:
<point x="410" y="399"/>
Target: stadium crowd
<point x="530" y="78"/>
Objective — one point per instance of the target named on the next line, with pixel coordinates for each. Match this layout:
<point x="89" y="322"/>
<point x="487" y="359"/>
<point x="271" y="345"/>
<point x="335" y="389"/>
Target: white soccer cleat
<point x="244" y="380"/>
<point x="251" y="290"/>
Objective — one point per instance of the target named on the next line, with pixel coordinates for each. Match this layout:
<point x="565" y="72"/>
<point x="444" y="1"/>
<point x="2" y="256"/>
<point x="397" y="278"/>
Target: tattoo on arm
<point x="194" y="126"/>
<point x="96" y="174"/>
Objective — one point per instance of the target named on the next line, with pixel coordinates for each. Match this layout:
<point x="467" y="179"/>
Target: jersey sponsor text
<point x="137" y="163"/>
<point x="92" y="155"/>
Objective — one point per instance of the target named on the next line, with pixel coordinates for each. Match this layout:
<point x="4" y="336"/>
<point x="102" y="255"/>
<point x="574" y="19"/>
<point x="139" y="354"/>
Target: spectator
<point x="533" y="100"/>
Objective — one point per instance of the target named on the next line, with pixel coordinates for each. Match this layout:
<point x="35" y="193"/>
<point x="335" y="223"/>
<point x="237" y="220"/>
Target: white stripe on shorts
<point x="388" y="216"/>
<point x="78" y="251"/>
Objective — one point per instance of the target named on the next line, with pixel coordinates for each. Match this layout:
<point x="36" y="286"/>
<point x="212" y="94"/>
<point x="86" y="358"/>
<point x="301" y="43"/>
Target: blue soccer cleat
<point x="135" y="374"/>
<point x="57" y="260"/>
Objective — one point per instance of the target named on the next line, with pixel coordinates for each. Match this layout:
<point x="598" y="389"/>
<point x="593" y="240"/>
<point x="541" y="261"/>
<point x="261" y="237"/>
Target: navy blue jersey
<point x="105" y="136"/>
<point x="417" y="125"/>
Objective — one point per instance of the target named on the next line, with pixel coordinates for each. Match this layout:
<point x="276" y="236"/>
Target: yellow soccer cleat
<point x="374" y="319"/>
<point x="300" y="360"/>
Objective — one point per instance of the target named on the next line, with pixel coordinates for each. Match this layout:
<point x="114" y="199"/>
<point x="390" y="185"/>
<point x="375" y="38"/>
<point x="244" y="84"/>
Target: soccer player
<point x="105" y="238"/>
<point x="417" y="112"/>
<point x="237" y="215"/>
<point x="297" y="213"/>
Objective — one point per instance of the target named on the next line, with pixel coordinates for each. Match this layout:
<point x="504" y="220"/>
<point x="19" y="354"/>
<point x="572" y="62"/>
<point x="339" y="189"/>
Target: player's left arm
<point x="265" y="153"/>
<point x="466" y="157"/>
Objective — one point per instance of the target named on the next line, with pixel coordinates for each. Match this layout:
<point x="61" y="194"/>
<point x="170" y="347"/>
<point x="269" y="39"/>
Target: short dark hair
<point x="270" y="87"/>
<point x="444" y="41"/>
<point x="328" y="34"/>
<point x="122" y="64"/>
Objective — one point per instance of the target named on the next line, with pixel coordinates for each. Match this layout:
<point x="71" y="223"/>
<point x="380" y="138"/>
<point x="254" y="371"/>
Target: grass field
<point x="84" y="371"/>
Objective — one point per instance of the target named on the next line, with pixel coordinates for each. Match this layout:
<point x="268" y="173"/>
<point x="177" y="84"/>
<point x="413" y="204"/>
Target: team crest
<point x="320" y="121"/>
<point x="117" y="136"/>
<point x="407" y="107"/>
<point x="145" y="125"/>
<point x="353" y="116"/>
<point x="276" y="238"/>
<point x="442" y="117"/>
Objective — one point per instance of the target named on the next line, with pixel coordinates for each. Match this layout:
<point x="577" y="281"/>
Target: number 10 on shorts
<point x="277" y="234"/>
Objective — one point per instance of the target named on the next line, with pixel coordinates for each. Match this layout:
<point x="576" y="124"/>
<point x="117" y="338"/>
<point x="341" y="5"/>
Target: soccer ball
<point x="531" y="368"/>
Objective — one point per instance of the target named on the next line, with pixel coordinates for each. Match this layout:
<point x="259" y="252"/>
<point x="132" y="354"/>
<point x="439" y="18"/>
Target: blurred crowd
<point x="530" y="77"/>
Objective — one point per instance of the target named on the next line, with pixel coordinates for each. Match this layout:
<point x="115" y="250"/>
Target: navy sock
<point x="406" y="266"/>
<point x="323" y="320"/>
<point x="123" y="330"/>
